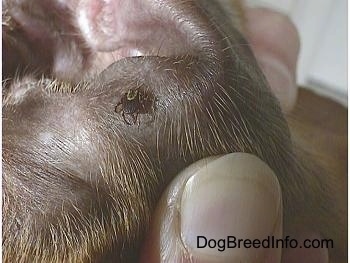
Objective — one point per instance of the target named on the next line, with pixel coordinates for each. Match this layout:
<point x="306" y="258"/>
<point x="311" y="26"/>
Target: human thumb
<point x="213" y="204"/>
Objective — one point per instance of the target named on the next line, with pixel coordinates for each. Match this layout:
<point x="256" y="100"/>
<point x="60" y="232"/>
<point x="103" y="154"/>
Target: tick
<point x="133" y="103"/>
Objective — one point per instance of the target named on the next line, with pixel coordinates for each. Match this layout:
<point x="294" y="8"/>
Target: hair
<point x="80" y="184"/>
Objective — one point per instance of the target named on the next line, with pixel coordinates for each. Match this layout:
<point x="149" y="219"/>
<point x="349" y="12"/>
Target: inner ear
<point x="134" y="28"/>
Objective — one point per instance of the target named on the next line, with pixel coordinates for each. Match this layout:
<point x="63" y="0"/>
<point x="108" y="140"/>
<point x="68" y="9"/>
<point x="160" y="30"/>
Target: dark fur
<point x="79" y="184"/>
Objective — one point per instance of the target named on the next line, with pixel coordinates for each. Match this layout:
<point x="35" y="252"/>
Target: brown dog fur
<point x="67" y="201"/>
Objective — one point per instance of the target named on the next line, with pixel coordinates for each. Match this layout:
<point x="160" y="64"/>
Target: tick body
<point x="133" y="103"/>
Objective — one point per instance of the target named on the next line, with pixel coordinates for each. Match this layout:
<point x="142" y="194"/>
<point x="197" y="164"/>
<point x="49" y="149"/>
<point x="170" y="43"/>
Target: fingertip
<point x="163" y="242"/>
<point x="276" y="44"/>
<point x="234" y="195"/>
<point x="275" y="33"/>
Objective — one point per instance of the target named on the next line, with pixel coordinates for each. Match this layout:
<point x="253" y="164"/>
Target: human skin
<point x="84" y="161"/>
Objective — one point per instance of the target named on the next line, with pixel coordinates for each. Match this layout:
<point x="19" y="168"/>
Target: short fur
<point x="79" y="184"/>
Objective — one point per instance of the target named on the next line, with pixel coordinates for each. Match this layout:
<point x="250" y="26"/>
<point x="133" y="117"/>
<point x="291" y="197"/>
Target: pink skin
<point x="275" y="42"/>
<point x="273" y="38"/>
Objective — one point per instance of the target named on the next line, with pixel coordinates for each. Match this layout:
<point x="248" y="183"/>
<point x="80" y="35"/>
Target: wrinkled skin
<point x="79" y="182"/>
